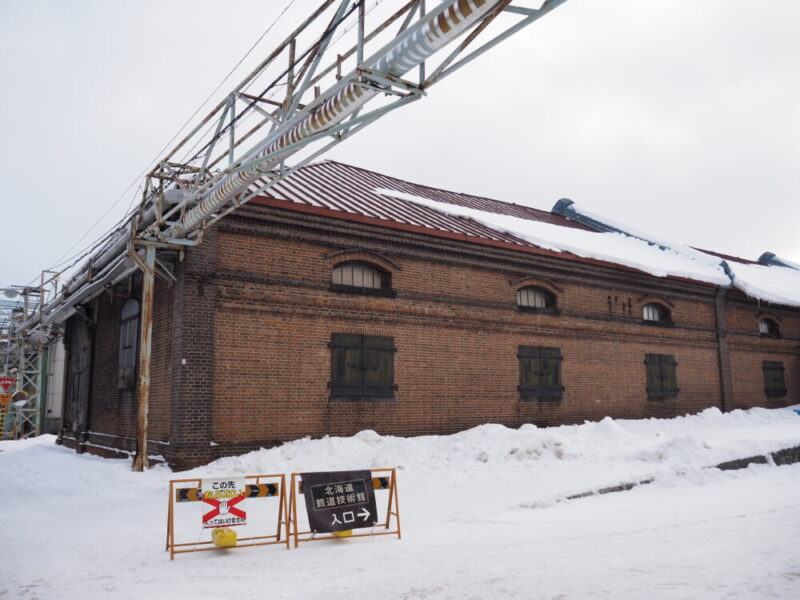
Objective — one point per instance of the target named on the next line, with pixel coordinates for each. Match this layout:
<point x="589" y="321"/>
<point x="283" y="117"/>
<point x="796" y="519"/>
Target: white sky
<point x="673" y="116"/>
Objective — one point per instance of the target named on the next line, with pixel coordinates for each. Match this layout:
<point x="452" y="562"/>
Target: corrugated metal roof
<point x="730" y="257"/>
<point x="340" y="187"/>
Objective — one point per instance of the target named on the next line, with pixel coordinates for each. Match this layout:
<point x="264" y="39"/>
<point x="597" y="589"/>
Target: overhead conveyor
<point x="329" y="78"/>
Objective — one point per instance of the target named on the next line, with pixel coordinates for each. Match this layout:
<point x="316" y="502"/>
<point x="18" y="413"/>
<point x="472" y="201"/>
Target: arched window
<point x="536" y="299"/>
<point x="768" y="328"/>
<point x="128" y="338"/>
<point x="655" y="313"/>
<point x="361" y="278"/>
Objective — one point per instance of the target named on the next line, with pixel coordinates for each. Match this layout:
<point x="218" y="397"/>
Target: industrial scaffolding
<point x="341" y="69"/>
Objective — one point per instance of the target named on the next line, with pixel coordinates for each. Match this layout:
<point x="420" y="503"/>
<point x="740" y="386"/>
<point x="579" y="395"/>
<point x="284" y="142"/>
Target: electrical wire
<point x="272" y="89"/>
<point x="82" y="253"/>
<point x="246" y="115"/>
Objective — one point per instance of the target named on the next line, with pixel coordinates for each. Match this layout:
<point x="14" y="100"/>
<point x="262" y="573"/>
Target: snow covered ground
<point x="482" y="516"/>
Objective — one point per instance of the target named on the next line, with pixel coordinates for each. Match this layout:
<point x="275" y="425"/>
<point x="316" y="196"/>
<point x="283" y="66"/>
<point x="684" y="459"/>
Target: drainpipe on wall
<point x="723" y="352"/>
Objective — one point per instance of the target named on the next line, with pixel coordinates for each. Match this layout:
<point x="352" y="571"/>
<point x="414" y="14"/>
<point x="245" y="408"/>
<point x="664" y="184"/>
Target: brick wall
<point x="192" y="356"/>
<point x="112" y="423"/>
<point x="456" y="330"/>
<point x="241" y="357"/>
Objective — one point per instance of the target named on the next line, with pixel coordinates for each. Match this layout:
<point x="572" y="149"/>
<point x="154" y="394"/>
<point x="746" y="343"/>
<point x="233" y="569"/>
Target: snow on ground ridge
<point x="469" y="530"/>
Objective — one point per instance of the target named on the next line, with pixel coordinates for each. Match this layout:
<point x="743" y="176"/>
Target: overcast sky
<point x="677" y="117"/>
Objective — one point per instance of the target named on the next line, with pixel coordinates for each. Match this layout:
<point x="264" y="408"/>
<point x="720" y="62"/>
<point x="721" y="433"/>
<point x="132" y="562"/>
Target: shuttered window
<point x="128" y="338"/>
<point x="540" y="373"/>
<point x="362" y="367"/>
<point x="774" y="382"/>
<point x="662" y="381"/>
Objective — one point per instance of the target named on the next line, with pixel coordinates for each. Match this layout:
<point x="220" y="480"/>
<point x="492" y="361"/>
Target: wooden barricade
<point x="5" y="404"/>
<point x="382" y="479"/>
<point x="258" y="486"/>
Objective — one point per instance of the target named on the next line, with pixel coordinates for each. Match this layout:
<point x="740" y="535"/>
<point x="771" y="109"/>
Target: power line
<point x="61" y="260"/>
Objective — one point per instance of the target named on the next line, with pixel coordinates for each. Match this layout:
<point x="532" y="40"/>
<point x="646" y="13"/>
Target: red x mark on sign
<point x="218" y="508"/>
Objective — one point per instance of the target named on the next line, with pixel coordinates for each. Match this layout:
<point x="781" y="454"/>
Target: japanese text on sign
<point x="340" y="500"/>
<point x="226" y="499"/>
<point x="348" y="493"/>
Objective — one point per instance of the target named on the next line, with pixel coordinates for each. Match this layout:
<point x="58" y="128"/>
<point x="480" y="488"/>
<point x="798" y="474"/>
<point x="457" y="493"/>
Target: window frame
<point x="346" y="383"/>
<point x="774" y="379"/>
<point x="664" y="312"/>
<point x="384" y="291"/>
<point x="127" y="351"/>
<point x="773" y="329"/>
<point x="528" y="356"/>
<point x="550" y="298"/>
<point x="661" y="368"/>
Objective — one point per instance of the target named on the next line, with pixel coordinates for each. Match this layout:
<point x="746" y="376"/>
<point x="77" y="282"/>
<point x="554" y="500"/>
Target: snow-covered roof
<point x="777" y="282"/>
<point x="568" y="229"/>
<point x="612" y="247"/>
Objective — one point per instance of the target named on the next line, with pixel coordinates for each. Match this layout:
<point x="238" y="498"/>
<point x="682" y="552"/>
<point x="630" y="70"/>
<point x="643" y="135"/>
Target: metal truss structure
<point x="341" y="69"/>
<point x="25" y="352"/>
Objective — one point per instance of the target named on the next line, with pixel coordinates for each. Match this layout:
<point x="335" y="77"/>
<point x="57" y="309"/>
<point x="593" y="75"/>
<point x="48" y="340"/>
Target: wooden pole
<point x="141" y="462"/>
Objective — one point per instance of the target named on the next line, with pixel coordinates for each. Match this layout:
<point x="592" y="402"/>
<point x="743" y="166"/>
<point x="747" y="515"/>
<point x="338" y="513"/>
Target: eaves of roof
<point x="515" y="245"/>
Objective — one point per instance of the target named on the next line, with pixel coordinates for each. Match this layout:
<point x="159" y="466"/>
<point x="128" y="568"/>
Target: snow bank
<point x="79" y="526"/>
<point x="575" y="457"/>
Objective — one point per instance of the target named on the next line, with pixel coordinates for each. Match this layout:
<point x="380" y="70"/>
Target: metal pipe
<point x="415" y="45"/>
<point x="410" y="48"/>
<point x="120" y="268"/>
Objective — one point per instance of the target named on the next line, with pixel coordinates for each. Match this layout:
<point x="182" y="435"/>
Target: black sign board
<point x="339" y="500"/>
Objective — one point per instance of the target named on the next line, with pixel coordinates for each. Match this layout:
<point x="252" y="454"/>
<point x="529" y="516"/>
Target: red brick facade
<point x="241" y="355"/>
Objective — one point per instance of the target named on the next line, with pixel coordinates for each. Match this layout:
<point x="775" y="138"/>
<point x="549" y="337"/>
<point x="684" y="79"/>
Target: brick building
<point x="349" y="300"/>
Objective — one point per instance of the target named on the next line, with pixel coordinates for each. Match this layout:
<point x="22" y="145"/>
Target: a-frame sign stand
<point x="382" y="479"/>
<point x="258" y="486"/>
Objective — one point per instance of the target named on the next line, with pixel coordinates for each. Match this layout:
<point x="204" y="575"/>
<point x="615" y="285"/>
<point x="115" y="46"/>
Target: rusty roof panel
<point x="337" y="186"/>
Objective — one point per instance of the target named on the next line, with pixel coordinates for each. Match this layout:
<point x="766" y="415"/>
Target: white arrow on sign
<point x="364" y="514"/>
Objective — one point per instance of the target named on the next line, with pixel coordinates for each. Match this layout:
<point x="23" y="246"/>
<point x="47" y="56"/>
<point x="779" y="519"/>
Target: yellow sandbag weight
<point x="224" y="537"/>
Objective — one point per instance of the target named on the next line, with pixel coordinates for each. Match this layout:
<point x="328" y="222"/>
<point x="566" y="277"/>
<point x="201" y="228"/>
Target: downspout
<point x="723" y="351"/>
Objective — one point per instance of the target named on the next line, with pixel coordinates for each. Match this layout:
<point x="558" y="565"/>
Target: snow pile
<point x="603" y="453"/>
<point x="482" y="513"/>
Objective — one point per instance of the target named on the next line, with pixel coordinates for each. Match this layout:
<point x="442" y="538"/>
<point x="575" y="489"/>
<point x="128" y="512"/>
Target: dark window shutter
<point x="653" y="368"/>
<point x="362" y="367"/>
<point x="774" y="379"/>
<point x="379" y="367"/>
<point x="128" y="342"/>
<point x="540" y="373"/>
<point x="662" y="379"/>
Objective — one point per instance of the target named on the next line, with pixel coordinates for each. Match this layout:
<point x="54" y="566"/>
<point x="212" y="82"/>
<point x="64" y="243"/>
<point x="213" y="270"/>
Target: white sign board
<point x="226" y="499"/>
